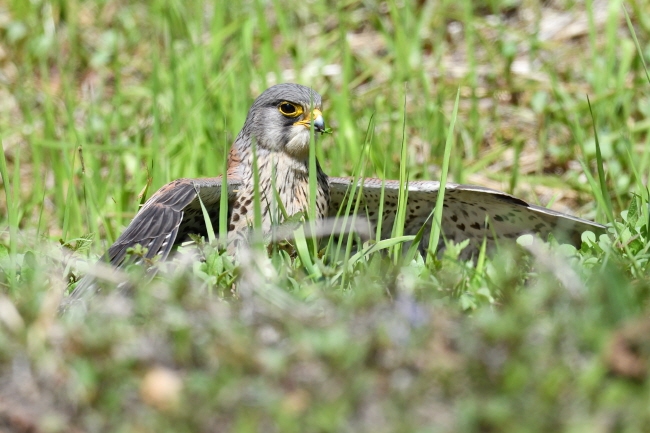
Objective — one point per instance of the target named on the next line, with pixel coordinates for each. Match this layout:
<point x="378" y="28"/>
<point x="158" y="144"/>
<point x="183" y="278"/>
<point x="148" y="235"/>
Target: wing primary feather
<point x="157" y="225"/>
<point x="466" y="209"/>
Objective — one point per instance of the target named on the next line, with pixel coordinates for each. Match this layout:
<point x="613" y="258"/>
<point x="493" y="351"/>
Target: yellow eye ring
<point x="290" y="109"/>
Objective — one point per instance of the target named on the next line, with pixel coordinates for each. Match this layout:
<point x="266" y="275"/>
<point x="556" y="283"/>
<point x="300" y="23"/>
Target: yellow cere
<point x="315" y="113"/>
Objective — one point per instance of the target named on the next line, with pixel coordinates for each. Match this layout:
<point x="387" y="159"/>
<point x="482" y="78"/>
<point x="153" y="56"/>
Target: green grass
<point x="100" y="99"/>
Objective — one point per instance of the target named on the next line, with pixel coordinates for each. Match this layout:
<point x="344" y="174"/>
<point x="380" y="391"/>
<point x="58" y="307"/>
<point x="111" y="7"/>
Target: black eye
<point x="287" y="108"/>
<point x="290" y="109"/>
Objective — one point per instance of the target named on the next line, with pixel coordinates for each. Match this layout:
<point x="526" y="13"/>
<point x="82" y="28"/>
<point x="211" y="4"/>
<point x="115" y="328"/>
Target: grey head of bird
<point x="280" y="120"/>
<point x="278" y="126"/>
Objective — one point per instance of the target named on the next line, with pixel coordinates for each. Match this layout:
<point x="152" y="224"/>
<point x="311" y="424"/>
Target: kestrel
<point x="279" y="126"/>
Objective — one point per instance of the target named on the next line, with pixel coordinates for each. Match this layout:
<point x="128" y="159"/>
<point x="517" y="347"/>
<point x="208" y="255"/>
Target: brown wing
<point x="169" y="216"/>
<point x="470" y="212"/>
<point x="165" y="220"/>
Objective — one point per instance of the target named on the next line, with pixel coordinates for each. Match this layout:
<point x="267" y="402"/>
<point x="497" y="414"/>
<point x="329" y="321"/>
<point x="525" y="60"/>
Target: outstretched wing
<point x="172" y="213"/>
<point x="165" y="220"/>
<point x="470" y="212"/>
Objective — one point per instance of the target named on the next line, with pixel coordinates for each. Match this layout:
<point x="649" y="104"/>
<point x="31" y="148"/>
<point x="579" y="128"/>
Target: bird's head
<point x="281" y="118"/>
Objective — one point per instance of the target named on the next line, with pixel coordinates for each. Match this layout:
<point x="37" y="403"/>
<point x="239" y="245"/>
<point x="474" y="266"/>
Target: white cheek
<point x="298" y="145"/>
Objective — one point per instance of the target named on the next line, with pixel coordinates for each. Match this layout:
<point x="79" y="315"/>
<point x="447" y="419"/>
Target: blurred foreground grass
<point x="97" y="98"/>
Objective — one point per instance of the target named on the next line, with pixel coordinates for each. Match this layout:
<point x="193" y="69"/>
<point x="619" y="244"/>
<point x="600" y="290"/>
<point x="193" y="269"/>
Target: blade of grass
<point x="602" y="181"/>
<point x="257" y="196"/>
<point x="402" y="197"/>
<point x="346" y="212"/>
<point x="305" y="254"/>
<point x="11" y="216"/>
<point x="381" y="245"/>
<point x="382" y="201"/>
<point x="644" y="211"/>
<point x="434" y="236"/>
<point x="636" y="42"/>
<point x="223" y="200"/>
<point x="603" y="189"/>
<point x="206" y="214"/>
<point x="313" y="183"/>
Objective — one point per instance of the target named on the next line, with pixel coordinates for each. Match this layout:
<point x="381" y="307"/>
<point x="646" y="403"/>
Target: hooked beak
<point x="314" y="118"/>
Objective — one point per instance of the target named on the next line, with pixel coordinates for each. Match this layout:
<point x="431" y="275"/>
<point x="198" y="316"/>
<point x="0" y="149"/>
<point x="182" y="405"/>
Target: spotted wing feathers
<point x="470" y="212"/>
